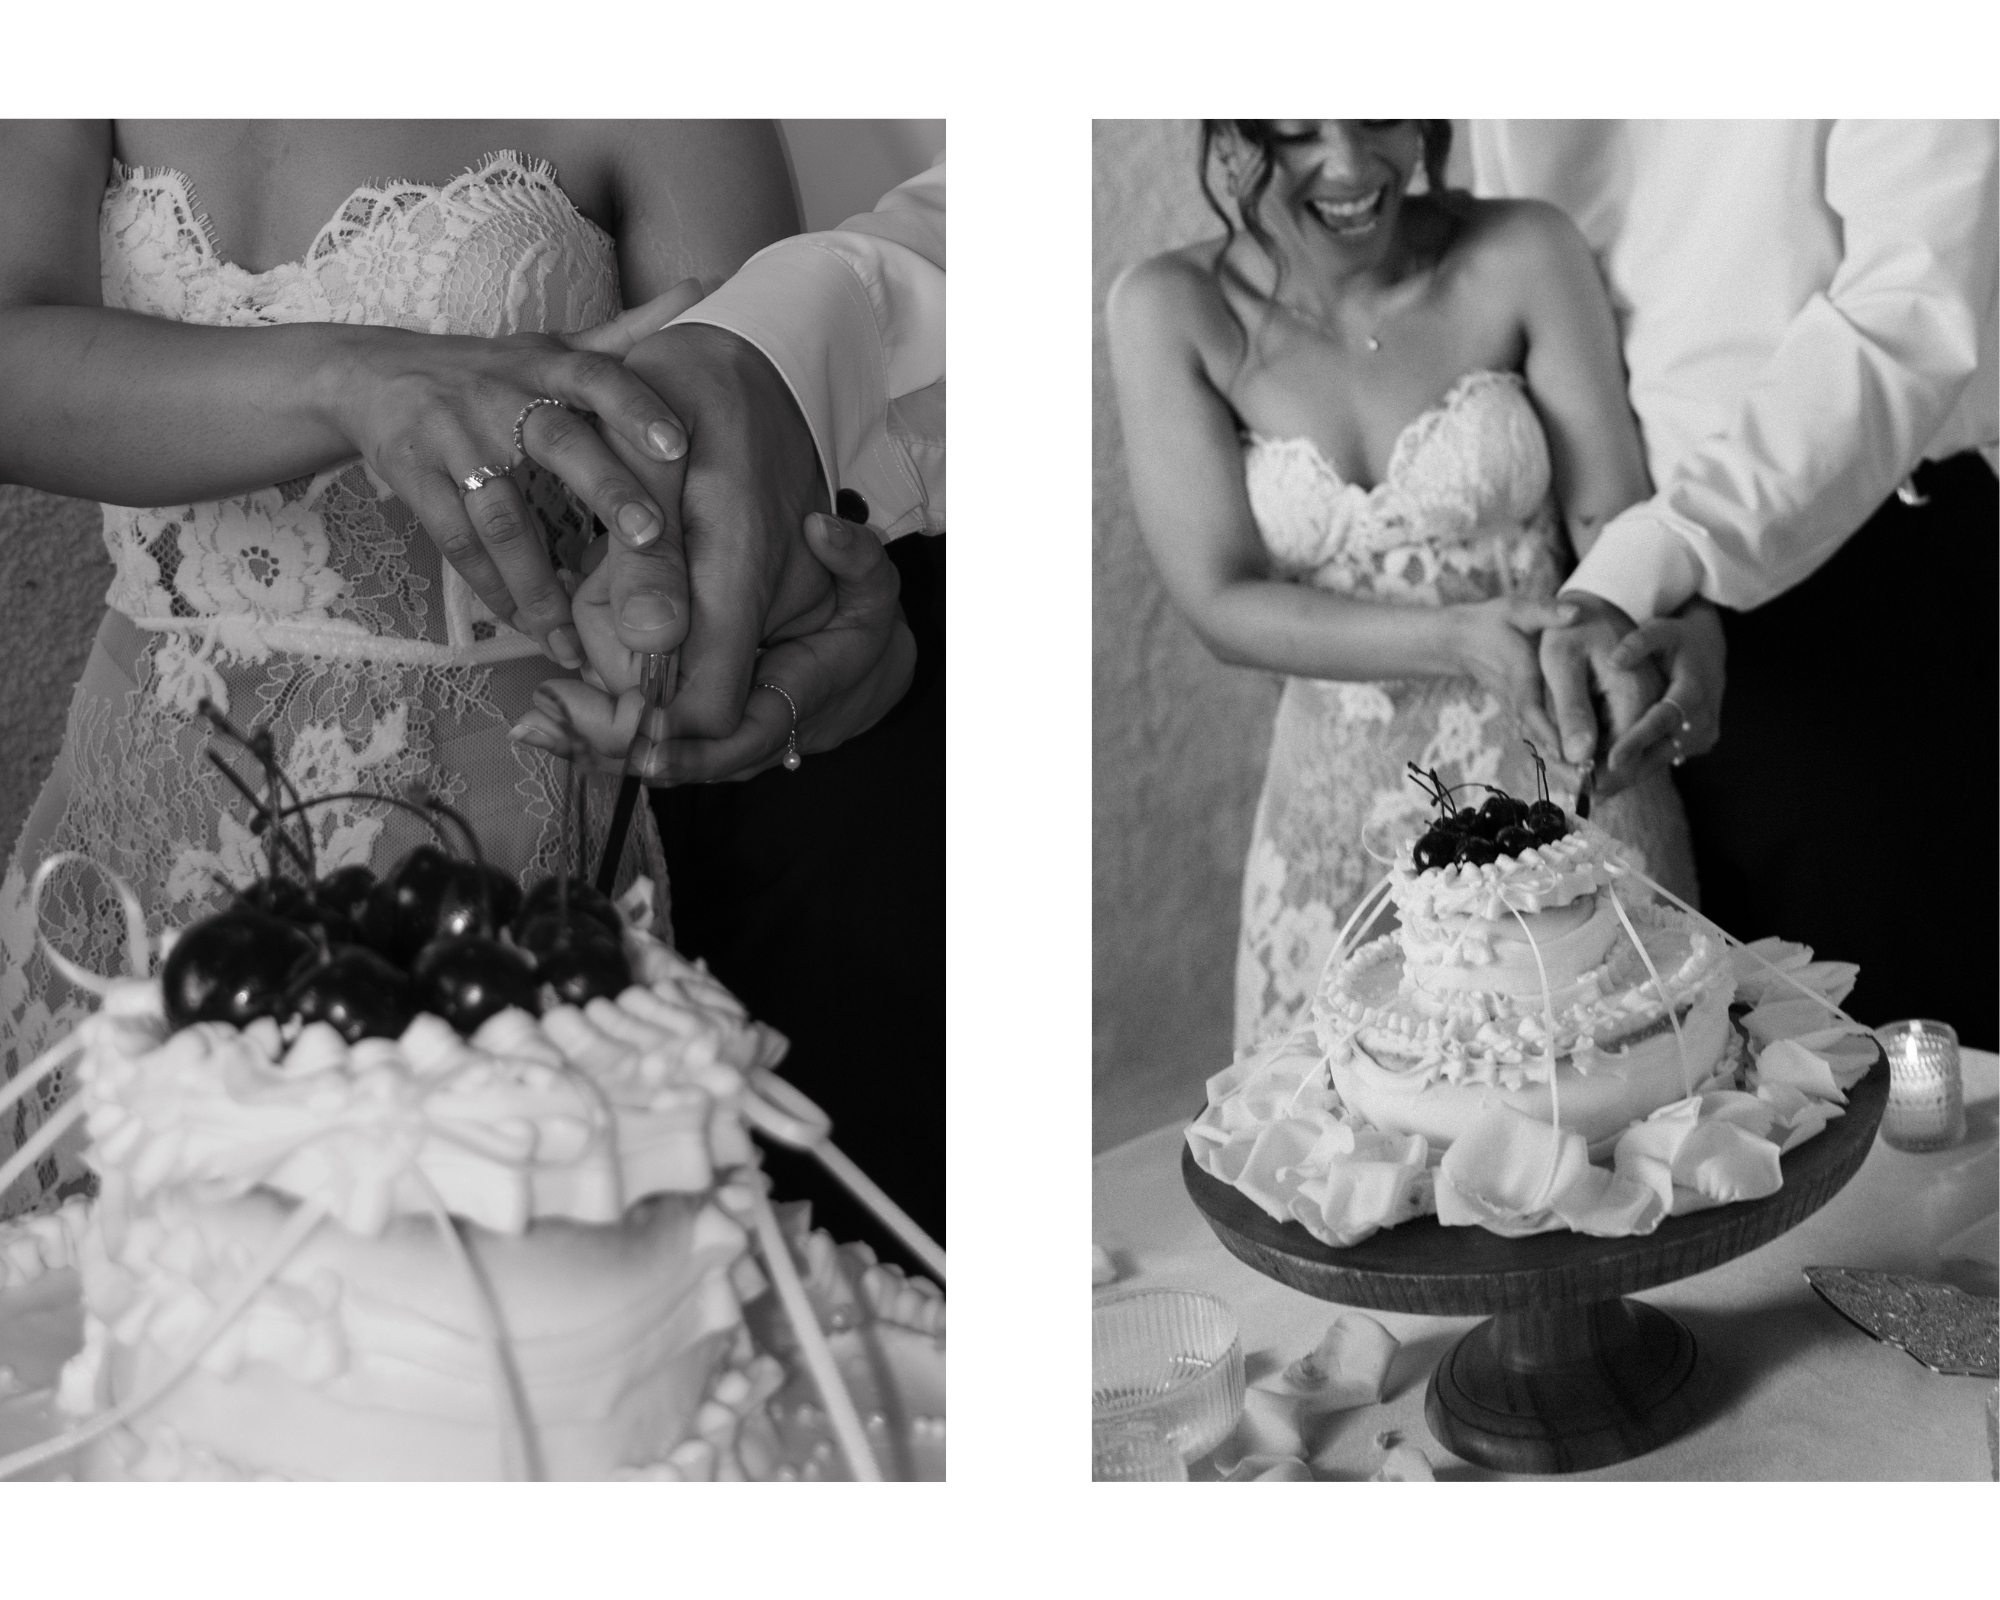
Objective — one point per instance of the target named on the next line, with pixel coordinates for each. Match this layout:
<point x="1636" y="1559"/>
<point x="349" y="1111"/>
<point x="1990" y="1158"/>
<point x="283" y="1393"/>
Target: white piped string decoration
<point x="840" y="1411"/>
<point x="138" y="948"/>
<point x="1660" y="984"/>
<point x="53" y="1127"/>
<point x="1731" y="940"/>
<point x="1380" y="897"/>
<point x="1377" y="896"/>
<point x="1555" y="1093"/>
<point x="776" y="1108"/>
<point x="297" y="1229"/>
<point x="520" y="1457"/>
<point x="33" y="1073"/>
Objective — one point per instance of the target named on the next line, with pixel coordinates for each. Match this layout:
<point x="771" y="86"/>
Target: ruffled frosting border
<point x="1277" y="1130"/>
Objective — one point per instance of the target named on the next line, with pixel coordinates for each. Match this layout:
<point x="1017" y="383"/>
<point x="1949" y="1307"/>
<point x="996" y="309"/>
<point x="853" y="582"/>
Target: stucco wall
<point x="53" y="574"/>
<point x="1179" y="739"/>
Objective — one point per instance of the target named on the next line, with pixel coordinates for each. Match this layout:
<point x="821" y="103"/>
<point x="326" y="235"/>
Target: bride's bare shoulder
<point x="1515" y="242"/>
<point x="1174" y="298"/>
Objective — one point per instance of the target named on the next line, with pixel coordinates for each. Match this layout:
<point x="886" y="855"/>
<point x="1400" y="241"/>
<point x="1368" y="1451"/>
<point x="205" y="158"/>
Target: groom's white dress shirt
<point x="854" y="320"/>
<point x="1807" y="311"/>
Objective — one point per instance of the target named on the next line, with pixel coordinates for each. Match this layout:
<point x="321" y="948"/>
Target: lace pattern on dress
<point x="1464" y="513"/>
<point x="317" y="607"/>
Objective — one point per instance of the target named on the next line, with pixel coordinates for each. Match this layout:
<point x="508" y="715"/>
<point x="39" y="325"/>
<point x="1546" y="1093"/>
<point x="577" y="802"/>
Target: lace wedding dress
<point x="317" y="607"/>
<point x="1463" y="514"/>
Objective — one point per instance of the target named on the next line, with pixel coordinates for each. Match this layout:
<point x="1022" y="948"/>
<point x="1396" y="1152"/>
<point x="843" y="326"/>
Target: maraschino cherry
<point x="234" y="967"/>
<point x="357" y="993"/>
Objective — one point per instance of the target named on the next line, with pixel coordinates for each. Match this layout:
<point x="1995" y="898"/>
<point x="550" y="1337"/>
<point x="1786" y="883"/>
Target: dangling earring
<point x="1418" y="170"/>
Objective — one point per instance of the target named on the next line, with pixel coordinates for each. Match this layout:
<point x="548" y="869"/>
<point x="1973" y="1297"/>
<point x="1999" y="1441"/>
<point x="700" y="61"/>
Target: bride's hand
<point x="1495" y="645"/>
<point x="425" y="411"/>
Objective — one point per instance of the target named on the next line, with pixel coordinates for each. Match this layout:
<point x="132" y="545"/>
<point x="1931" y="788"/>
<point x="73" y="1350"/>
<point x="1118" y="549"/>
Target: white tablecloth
<point x="1806" y="1395"/>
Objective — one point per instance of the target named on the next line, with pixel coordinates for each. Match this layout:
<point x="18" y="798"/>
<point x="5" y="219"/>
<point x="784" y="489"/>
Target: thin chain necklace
<point x="1370" y="341"/>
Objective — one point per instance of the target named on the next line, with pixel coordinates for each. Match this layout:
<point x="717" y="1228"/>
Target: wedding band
<point x="480" y="477"/>
<point x="792" y="756"/>
<point x="521" y="444"/>
<point x="1669" y="700"/>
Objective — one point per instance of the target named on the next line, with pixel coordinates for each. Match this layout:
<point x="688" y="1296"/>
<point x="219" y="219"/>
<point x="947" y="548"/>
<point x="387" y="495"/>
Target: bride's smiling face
<point x="1338" y="186"/>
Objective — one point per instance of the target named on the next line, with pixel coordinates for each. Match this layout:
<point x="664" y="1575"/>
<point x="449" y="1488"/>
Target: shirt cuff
<point x="808" y="314"/>
<point x="1642" y="562"/>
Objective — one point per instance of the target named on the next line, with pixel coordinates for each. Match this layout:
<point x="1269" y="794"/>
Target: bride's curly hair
<point x="1249" y="183"/>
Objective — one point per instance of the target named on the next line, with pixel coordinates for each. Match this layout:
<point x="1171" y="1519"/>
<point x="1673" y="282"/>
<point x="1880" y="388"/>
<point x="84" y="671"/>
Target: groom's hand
<point x="736" y="573"/>
<point x="1687" y="720"/>
<point x="1580" y="669"/>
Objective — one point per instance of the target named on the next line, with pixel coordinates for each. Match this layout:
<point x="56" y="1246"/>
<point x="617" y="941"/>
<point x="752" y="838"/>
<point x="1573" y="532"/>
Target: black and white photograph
<point x="472" y="957"/>
<point x="1545" y="738"/>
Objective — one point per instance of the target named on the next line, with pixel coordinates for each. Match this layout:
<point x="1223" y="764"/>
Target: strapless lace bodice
<point x="332" y="563"/>
<point x="1462" y="513"/>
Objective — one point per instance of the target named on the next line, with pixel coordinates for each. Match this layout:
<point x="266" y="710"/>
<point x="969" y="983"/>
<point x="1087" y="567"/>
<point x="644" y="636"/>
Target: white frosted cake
<point x="525" y="1252"/>
<point x="1547" y="1040"/>
<point x="1495" y="968"/>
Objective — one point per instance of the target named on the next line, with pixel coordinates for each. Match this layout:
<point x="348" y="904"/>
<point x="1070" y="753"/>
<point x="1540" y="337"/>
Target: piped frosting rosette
<point x="1542" y="1044"/>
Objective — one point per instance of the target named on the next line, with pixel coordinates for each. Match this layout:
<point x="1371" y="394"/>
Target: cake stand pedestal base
<point x="1566" y="1389"/>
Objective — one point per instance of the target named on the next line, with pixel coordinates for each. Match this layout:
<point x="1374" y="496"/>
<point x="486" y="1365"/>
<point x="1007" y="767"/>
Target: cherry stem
<point x="260" y="818"/>
<point x="430" y="808"/>
<point x="1541" y="768"/>
<point x="261" y="748"/>
<point x="432" y="803"/>
<point x="260" y="745"/>
<point x="425" y="811"/>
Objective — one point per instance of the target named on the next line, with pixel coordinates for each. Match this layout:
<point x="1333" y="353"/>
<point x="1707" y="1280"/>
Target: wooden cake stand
<point x="1565" y="1374"/>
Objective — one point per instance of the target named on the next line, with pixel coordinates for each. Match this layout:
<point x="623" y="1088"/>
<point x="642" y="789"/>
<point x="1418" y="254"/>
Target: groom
<point x="816" y="894"/>
<point x="1808" y="316"/>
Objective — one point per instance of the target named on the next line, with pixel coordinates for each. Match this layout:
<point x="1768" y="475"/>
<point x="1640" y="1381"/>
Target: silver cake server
<point x="1939" y="1324"/>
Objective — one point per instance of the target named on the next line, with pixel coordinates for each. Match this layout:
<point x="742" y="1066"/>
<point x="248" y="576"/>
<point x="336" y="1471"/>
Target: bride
<point x="1369" y="431"/>
<point x="288" y="357"/>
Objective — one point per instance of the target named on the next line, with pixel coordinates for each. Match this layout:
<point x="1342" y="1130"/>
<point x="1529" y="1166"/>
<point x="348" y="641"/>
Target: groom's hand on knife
<point x="1687" y="719"/>
<point x="1583" y="672"/>
<point x="732" y="574"/>
<point x="839" y="680"/>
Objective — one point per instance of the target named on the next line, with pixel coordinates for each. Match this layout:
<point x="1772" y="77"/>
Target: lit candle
<point x="1926" y="1109"/>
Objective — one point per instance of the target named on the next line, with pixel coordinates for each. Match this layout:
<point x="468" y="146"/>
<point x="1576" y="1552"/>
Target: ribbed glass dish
<point x="1170" y="1356"/>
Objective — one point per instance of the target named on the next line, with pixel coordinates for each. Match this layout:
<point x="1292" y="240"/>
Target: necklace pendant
<point x="1373" y="344"/>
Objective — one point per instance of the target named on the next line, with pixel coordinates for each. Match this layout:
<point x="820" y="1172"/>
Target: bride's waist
<point x="251" y="635"/>
<point x="1508" y="561"/>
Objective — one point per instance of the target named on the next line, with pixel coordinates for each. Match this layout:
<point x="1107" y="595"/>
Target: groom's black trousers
<point x="818" y="897"/>
<point x="1852" y="801"/>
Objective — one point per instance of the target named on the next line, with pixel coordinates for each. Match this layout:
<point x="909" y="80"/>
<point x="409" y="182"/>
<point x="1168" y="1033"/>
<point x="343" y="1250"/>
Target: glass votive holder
<point x="1133" y="1450"/>
<point x="1926" y="1109"/>
<point x="1171" y="1357"/>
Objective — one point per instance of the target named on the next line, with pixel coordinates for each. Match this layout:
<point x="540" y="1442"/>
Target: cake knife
<point x="658" y="674"/>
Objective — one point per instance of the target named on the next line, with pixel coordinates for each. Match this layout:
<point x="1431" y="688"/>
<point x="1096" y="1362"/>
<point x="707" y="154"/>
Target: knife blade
<point x="658" y="676"/>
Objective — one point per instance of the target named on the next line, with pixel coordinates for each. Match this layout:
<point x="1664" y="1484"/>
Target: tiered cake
<point x="425" y="1178"/>
<point x="598" y="1169"/>
<point x="1547" y="950"/>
